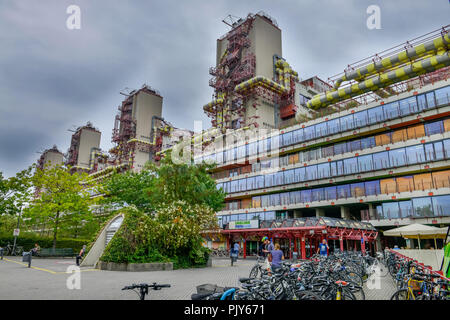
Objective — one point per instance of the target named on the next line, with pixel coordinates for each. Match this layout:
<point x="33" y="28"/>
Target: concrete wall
<point x="265" y="42"/>
<point x="88" y="139"/>
<point x="428" y="257"/>
<point x="97" y="249"/>
<point x="53" y="158"/>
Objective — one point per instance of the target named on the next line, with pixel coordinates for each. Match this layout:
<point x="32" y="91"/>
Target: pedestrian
<point x="234" y="252"/>
<point x="268" y="246"/>
<point x="323" y="248"/>
<point x="35" y="251"/>
<point x="277" y="256"/>
<point x="81" y="254"/>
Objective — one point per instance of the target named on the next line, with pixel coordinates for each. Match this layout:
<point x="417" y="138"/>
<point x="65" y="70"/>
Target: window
<point x="275" y="199"/>
<point x="305" y="196"/>
<point x="447" y="148"/>
<point x="286" y="139"/>
<point x="311" y="173"/>
<point x="429" y="152"/>
<point x="422" y="102"/>
<point x="347" y="122"/>
<point x="268" y="180"/>
<point x="242" y="185"/>
<point x="360" y="119"/>
<point x="300" y="175"/>
<point x="330" y="193"/>
<point x="380" y="213"/>
<point x="365" y="163"/>
<point x="297" y="136"/>
<point x="431" y="102"/>
<point x="422" y="207"/>
<point x="333" y="126"/>
<point x="415" y="154"/>
<point x="321" y="129"/>
<point x="391" y="210"/>
<point x="434" y="128"/>
<point x="289" y="176"/>
<point x="372" y="188"/>
<point x="265" y="201"/>
<point x="408" y="106"/>
<point x="388" y="186"/>
<point x="340" y="148"/>
<point x="295" y="197"/>
<point x="317" y="194"/>
<point x="354" y="145"/>
<point x="278" y="178"/>
<point x="406" y="209"/>
<point x="391" y="110"/>
<point x="442" y="95"/>
<point x="367" y="143"/>
<point x="337" y="168"/>
<point x="323" y="170"/>
<point x="438" y="150"/>
<point x="375" y="115"/>
<point x="284" y="198"/>
<point x="251" y="183"/>
<point x="328" y="151"/>
<point x="405" y="184"/>
<point x="241" y="152"/>
<point x="259" y="182"/>
<point x="351" y="165"/>
<point x="343" y="192"/>
<point x="252" y="149"/>
<point x="219" y="157"/>
<point x="234" y="186"/>
<point x="256" y="202"/>
<point x="397" y="157"/>
<point x="309" y="133"/>
<point x="441" y="205"/>
<point x="357" y="190"/>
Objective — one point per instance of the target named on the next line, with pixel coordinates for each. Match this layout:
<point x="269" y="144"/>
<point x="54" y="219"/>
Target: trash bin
<point x="26" y="257"/>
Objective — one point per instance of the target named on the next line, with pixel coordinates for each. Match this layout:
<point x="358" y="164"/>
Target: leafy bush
<point x="27" y="241"/>
<point x="170" y="235"/>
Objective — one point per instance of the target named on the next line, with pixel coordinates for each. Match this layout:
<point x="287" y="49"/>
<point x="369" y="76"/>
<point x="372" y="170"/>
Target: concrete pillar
<point x="303" y="247"/>
<point x="372" y="212"/>
<point x="320" y="212"/>
<point x="345" y="213"/>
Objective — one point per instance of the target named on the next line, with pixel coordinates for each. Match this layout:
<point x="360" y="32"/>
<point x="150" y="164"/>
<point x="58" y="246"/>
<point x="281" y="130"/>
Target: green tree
<point x="15" y="192"/>
<point x="64" y="199"/>
<point x="156" y="186"/>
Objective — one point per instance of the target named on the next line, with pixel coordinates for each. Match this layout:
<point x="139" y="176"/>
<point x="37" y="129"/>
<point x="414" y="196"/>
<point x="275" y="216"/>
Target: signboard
<point x="16" y="232"/>
<point x="246" y="224"/>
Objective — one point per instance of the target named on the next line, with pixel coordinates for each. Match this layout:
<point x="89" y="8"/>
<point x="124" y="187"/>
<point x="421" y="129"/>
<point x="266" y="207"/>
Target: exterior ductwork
<point x="402" y="73"/>
<point x="435" y="45"/>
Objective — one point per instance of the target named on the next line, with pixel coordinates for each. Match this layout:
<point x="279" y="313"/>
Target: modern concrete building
<point x="84" y="147"/>
<point x="50" y="158"/>
<point x="373" y="153"/>
<point x="135" y="128"/>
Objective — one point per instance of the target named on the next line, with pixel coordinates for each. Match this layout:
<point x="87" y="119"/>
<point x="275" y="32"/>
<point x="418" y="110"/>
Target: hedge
<point x="28" y="241"/>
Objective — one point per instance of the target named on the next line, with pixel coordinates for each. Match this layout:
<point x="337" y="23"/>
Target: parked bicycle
<point x="142" y="289"/>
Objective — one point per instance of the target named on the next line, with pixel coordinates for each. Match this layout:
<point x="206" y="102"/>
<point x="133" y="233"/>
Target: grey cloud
<point x="53" y="78"/>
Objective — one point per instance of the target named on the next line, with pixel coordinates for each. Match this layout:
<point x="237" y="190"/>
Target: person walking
<point x="323" y="248"/>
<point x="268" y="247"/>
<point x="234" y="253"/>
<point x="277" y="256"/>
<point x="80" y="255"/>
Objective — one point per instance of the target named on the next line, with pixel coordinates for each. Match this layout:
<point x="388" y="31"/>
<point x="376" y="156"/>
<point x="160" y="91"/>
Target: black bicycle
<point x="143" y="288"/>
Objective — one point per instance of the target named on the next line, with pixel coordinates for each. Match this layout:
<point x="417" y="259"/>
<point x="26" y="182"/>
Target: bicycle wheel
<point x="254" y="272"/>
<point x="402" y="294"/>
<point x="308" y="295"/>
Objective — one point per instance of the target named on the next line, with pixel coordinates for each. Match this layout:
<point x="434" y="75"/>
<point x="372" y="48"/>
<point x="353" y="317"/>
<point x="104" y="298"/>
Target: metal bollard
<point x="1" y="253"/>
<point x="26" y="257"/>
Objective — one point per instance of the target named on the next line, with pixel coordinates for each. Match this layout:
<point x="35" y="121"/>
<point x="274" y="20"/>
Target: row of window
<point x="405" y="134"/>
<point x="417" y="208"/>
<point x="418" y="182"/>
<point x="415" y="154"/>
<point x="356" y="120"/>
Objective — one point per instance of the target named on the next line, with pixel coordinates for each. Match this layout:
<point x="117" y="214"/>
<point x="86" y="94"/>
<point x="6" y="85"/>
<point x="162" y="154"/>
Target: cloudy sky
<point x="53" y="78"/>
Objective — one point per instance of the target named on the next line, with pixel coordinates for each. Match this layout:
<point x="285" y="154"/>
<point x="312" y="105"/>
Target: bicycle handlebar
<point x="153" y="286"/>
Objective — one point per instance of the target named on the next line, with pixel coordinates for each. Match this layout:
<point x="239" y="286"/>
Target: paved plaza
<point x="47" y="279"/>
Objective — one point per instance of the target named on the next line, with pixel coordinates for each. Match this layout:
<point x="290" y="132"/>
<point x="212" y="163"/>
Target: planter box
<point x="135" y="267"/>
